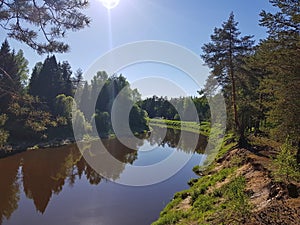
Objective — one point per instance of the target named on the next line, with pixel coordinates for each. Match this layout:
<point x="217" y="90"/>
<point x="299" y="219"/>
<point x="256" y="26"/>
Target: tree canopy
<point x="225" y="56"/>
<point x="41" y="24"/>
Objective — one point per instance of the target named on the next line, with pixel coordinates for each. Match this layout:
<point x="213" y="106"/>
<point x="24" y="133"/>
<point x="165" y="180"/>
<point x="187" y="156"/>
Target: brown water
<point x="57" y="186"/>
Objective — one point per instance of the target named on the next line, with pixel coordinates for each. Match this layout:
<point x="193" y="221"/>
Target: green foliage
<point x="228" y="204"/>
<point x="63" y="106"/>
<point x="110" y="88"/>
<point x="51" y="79"/>
<point x="103" y="123"/>
<point x="80" y="124"/>
<point x="237" y="207"/>
<point x="286" y="168"/>
<point x="203" y="128"/>
<point x="28" y="118"/>
<point x="176" y="117"/>
<point x="278" y="58"/>
<point x="10" y="78"/>
<point x="172" y="217"/>
<point x="225" y="56"/>
<point x="3" y="134"/>
<point x="41" y="24"/>
<point x="169" y="108"/>
<point x="209" y="181"/>
<point x="138" y="119"/>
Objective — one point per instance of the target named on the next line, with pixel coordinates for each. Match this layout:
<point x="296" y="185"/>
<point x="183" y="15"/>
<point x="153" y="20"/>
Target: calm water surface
<point x="57" y="186"/>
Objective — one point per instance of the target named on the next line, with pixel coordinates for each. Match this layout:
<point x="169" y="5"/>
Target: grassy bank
<point x="240" y="187"/>
<point x="201" y="128"/>
<point x="206" y="200"/>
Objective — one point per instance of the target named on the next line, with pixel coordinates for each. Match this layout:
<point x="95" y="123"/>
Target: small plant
<point x="236" y="207"/>
<point x="286" y="164"/>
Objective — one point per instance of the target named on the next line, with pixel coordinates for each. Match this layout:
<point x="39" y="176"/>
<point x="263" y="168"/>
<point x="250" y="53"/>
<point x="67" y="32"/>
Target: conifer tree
<point x="279" y="56"/>
<point x="41" y="24"/>
<point x="225" y="55"/>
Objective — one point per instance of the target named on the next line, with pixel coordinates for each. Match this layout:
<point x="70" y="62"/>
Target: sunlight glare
<point x="110" y="4"/>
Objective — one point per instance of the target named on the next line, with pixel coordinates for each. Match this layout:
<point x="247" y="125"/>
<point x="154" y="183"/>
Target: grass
<point x="219" y="197"/>
<point x="263" y="141"/>
<point x="210" y="205"/>
<point x="201" y="128"/>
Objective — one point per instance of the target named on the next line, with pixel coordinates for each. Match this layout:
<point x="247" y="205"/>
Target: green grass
<point x="220" y="205"/>
<point x="201" y="128"/>
<point x="217" y="198"/>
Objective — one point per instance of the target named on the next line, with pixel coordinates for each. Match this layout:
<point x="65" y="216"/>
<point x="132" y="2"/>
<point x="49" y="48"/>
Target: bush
<point x="286" y="169"/>
<point x="3" y="134"/>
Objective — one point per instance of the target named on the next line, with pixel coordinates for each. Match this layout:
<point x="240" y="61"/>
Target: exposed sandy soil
<point x="273" y="203"/>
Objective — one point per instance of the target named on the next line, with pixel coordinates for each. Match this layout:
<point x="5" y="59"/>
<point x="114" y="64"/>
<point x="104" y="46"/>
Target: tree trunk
<point x="233" y="88"/>
<point x="239" y="129"/>
<point x="242" y="142"/>
<point x="233" y="95"/>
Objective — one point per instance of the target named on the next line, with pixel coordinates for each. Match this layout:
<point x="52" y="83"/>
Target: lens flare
<point x="110" y="4"/>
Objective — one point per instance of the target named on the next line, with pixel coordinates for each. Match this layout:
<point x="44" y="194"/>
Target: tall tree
<point x="48" y="82"/>
<point x="78" y="81"/>
<point x="22" y="64"/>
<point x="10" y="81"/>
<point x="85" y="102"/>
<point x="279" y="55"/>
<point x="51" y="79"/>
<point x="41" y="24"/>
<point x="225" y="55"/>
<point x="34" y="84"/>
<point x="66" y="73"/>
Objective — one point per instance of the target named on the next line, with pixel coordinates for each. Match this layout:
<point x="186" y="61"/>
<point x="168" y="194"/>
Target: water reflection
<point x="9" y="187"/>
<point x="172" y="139"/>
<point x="44" y="173"/>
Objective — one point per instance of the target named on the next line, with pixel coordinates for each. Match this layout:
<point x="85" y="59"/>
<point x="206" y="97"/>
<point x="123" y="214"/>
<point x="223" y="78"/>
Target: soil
<point x="273" y="202"/>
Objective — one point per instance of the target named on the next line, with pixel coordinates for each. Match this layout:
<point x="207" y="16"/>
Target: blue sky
<point x="187" y="23"/>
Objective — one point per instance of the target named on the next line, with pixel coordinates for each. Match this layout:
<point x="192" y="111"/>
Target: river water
<point x="57" y="185"/>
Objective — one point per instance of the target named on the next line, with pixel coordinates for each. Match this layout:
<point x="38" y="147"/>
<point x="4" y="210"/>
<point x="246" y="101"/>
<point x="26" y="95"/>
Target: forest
<point x="260" y="82"/>
<point x="40" y="108"/>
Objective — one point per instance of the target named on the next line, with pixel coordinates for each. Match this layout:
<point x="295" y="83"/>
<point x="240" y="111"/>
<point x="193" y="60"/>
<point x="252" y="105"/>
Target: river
<point x="57" y="185"/>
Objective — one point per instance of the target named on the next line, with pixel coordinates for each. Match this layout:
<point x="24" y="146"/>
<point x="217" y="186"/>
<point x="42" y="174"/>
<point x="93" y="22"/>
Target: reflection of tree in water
<point x="100" y="156"/>
<point x="172" y="139"/>
<point x="9" y="187"/>
<point x="45" y="172"/>
<point x="84" y="169"/>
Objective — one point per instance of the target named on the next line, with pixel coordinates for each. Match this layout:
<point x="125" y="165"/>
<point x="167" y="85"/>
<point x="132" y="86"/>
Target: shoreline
<point x="11" y="149"/>
<point x="237" y="188"/>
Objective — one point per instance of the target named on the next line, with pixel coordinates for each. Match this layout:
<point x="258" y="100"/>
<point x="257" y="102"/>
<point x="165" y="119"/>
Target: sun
<point x="110" y="4"/>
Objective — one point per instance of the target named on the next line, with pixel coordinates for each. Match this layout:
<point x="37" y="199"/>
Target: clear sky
<point x="187" y="23"/>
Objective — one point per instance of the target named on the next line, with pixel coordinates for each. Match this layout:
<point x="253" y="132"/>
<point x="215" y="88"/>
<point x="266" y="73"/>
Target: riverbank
<point x="202" y="128"/>
<point x="238" y="188"/>
<point x="12" y="149"/>
<point x="9" y="150"/>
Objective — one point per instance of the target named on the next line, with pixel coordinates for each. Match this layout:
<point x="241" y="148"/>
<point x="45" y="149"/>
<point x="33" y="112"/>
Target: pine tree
<point x="85" y="102"/>
<point x="279" y="56"/>
<point x="66" y="73"/>
<point x="10" y="82"/>
<point x="41" y="24"/>
<point x="34" y="84"/>
<point x="225" y="55"/>
<point x="51" y="79"/>
<point x="78" y="78"/>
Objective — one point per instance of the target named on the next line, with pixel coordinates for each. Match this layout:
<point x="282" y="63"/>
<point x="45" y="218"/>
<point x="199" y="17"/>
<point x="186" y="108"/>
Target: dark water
<point x="57" y="186"/>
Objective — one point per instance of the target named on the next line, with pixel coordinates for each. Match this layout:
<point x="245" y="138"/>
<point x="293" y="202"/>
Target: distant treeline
<point x="167" y="108"/>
